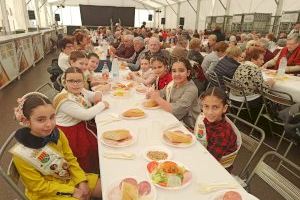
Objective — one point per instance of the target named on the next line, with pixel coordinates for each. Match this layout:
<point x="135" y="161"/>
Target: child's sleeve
<point x="77" y="174"/>
<point x="36" y="182"/>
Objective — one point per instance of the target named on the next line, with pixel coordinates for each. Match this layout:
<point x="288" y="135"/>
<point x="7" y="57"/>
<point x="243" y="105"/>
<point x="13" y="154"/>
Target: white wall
<point x="121" y="3"/>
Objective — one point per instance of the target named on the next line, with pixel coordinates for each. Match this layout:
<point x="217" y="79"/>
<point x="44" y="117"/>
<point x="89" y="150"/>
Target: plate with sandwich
<point x="169" y="175"/>
<point x="232" y="195"/>
<point x="118" y="138"/>
<point x="131" y="188"/>
<point x="133" y="113"/>
<point x="150" y="104"/>
<point x="178" y="138"/>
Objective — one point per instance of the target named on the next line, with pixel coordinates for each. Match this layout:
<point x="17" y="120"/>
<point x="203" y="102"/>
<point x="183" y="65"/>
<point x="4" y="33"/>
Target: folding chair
<point x="250" y="142"/>
<point x="11" y="176"/>
<point x="277" y="179"/>
<point x="213" y="80"/>
<point x="48" y="90"/>
<point x="273" y="99"/>
<point x="243" y="103"/>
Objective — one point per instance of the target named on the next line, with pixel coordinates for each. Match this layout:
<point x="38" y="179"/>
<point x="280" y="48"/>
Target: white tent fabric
<point x="170" y="9"/>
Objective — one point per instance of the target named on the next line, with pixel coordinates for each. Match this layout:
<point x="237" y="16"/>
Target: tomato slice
<point x="151" y="166"/>
<point x="164" y="184"/>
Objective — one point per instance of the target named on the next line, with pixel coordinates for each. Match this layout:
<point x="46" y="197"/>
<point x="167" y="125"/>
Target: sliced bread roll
<point x="133" y="113"/>
<point x="116" y="135"/>
<point x="178" y="137"/>
<point x="129" y="191"/>
<point x="150" y="103"/>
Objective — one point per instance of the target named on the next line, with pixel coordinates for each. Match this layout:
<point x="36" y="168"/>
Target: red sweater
<point x="163" y="81"/>
<point x="292" y="60"/>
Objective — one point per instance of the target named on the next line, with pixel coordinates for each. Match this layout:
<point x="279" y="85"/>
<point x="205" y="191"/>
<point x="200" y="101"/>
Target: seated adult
<point x="212" y="41"/>
<point x="125" y="49"/>
<point x="227" y="65"/>
<point x="249" y="76"/>
<point x="154" y="49"/>
<point x="211" y="60"/>
<point x="292" y="54"/>
<point x="67" y="46"/>
<point x="140" y="49"/>
<point x="194" y="51"/>
<point x="264" y="43"/>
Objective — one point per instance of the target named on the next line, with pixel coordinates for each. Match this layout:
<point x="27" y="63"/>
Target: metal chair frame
<point x="234" y="85"/>
<point x="280" y="98"/>
<point x="273" y="177"/>
<point x="249" y="142"/>
<point x="213" y="78"/>
<point x="46" y="92"/>
<point x="11" y="176"/>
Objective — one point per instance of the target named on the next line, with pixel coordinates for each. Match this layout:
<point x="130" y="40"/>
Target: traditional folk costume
<point x="47" y="166"/>
<point x="183" y="101"/>
<point x="222" y="139"/>
<point x="72" y="117"/>
<point x="162" y="82"/>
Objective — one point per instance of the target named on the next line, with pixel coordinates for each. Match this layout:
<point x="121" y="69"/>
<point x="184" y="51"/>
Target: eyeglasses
<point x="71" y="81"/>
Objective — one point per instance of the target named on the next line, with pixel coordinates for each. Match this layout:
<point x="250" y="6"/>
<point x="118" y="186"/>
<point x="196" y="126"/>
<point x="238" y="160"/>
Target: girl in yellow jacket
<point x="43" y="157"/>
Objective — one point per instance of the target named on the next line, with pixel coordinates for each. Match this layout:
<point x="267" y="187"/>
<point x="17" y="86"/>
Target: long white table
<point x="204" y="168"/>
<point x="288" y="83"/>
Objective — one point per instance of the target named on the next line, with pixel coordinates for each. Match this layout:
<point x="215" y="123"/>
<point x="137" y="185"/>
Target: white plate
<point x="157" y="148"/>
<point x="120" y="144"/>
<point x="114" y="193"/>
<point x="219" y="195"/>
<point x="173" y="188"/>
<point x="125" y="96"/>
<point x="179" y="145"/>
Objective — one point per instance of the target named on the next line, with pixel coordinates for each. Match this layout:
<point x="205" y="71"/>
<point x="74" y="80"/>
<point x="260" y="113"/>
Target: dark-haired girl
<point x="159" y="66"/>
<point x="214" y="130"/>
<point x="74" y="108"/>
<point x="43" y="157"/>
<point x="179" y="97"/>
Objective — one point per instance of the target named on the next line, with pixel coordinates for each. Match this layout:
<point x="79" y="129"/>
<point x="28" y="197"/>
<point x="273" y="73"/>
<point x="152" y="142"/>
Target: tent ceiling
<point x="149" y="3"/>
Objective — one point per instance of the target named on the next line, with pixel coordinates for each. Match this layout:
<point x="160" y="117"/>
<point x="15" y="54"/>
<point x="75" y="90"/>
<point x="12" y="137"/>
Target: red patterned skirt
<point x="83" y="142"/>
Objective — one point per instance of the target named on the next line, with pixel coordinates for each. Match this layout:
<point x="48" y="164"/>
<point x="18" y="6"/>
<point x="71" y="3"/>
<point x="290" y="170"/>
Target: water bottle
<point x="105" y="72"/>
<point x="115" y="69"/>
<point x="282" y="66"/>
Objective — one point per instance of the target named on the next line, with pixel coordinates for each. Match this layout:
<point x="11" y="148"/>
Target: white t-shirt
<point x="63" y="61"/>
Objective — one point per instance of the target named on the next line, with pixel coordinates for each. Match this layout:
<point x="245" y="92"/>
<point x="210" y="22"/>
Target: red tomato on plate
<point x="151" y="166"/>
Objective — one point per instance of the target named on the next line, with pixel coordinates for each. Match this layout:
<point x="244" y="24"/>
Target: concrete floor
<point x="38" y="75"/>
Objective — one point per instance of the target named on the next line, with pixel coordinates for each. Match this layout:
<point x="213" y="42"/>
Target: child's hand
<point x="154" y="95"/>
<point x="97" y="97"/>
<point x="83" y="186"/>
<point x="149" y="91"/>
<point x="106" y="104"/>
<point x="78" y="194"/>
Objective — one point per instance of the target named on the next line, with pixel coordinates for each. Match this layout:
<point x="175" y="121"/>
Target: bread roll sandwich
<point x="178" y="137"/>
<point x="135" y="112"/>
<point x="117" y="135"/>
<point x="129" y="191"/>
<point x="150" y="103"/>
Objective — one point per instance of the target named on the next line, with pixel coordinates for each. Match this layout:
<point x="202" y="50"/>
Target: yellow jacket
<point x="41" y="187"/>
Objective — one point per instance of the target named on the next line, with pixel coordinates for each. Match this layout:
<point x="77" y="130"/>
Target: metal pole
<point x="25" y="15"/>
<point x="37" y="15"/>
<point x="178" y="13"/>
<point x="197" y="14"/>
<point x="278" y="13"/>
<point x="227" y="9"/>
<point x="6" y="25"/>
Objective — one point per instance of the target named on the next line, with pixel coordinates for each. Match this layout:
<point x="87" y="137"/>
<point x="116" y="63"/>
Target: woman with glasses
<point x="75" y="107"/>
<point x="67" y="46"/>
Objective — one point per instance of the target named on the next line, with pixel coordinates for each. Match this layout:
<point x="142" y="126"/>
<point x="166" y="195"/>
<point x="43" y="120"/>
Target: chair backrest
<point x="233" y="85"/>
<point x="48" y="90"/>
<point x="277" y="179"/>
<point x="251" y="142"/>
<point x="11" y="175"/>
<point x="213" y="79"/>
<point x="274" y="101"/>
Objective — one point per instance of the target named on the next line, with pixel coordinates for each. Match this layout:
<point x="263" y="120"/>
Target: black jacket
<point x="226" y="67"/>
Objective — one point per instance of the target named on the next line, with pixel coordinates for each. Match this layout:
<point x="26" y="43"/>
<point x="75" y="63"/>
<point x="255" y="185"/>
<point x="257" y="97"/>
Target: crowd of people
<point x="175" y="66"/>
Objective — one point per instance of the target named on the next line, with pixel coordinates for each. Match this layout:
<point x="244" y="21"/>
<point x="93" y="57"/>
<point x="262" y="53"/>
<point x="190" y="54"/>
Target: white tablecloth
<point x="288" y="83"/>
<point x="204" y="167"/>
